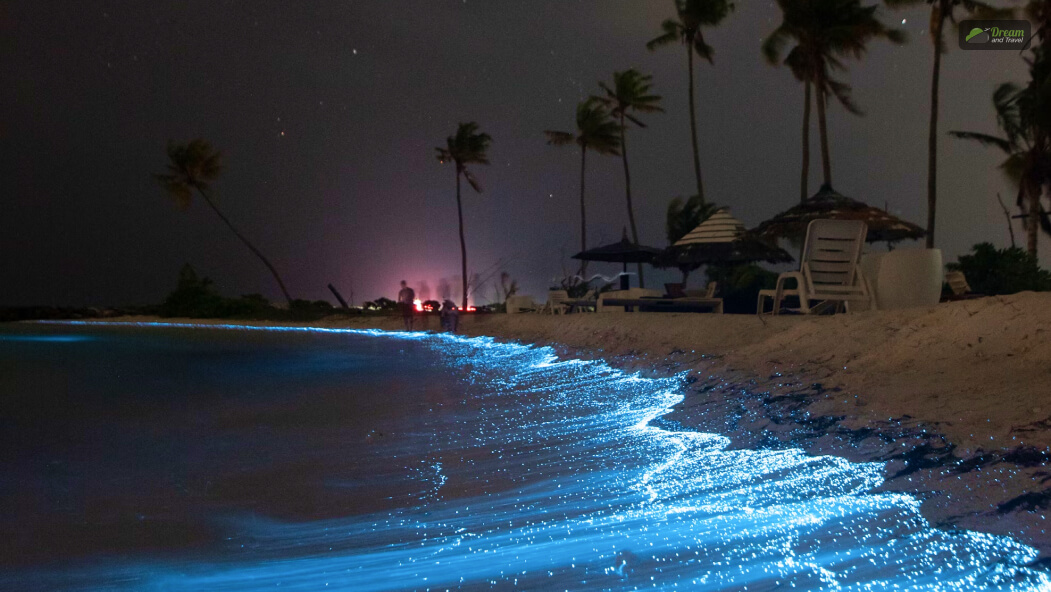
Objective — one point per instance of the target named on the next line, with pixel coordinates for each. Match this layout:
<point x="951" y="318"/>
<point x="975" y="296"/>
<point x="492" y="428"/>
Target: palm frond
<point x="472" y="180"/>
<point x="672" y="33"/>
<point x="983" y="139"/>
<point x="842" y="92"/>
<point x="556" y="138"/>
<point x="193" y="165"/>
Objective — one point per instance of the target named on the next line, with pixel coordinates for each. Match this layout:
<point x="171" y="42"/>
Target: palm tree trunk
<point x="932" y="135"/>
<point x="251" y="247"/>
<point x="463" y="243"/>
<point x="693" y="124"/>
<point x="583" y="213"/>
<point x="822" y="125"/>
<point x="804" y="176"/>
<point x="627" y="188"/>
<point x="1033" y="195"/>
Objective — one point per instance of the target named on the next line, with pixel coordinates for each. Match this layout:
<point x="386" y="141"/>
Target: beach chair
<point x="957" y="282"/>
<point x="707" y="292"/>
<point x="519" y="304"/>
<point x="556" y="302"/>
<point x="630" y="293"/>
<point x="829" y="270"/>
<point x="588" y="302"/>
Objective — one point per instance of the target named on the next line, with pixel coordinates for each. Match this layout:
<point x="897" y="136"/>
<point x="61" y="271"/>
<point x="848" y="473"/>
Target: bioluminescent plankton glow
<point x="545" y="473"/>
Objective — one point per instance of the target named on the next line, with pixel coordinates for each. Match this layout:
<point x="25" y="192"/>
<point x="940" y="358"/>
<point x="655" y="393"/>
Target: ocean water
<point x="178" y="458"/>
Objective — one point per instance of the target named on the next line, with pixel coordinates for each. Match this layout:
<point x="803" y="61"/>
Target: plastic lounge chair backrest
<point x="831" y="254"/>
<point x="958" y="282"/>
<point x="555" y="297"/>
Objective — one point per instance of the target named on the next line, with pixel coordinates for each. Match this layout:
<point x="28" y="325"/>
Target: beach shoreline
<point x="953" y="398"/>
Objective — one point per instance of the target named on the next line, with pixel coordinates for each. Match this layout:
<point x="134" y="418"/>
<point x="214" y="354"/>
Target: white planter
<point x="905" y="278"/>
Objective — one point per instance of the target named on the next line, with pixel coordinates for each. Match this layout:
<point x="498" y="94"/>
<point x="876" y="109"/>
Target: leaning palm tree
<point x="942" y="10"/>
<point x="466" y="147"/>
<point x="193" y="167"/>
<point x="1028" y="150"/>
<point x="597" y="131"/>
<point x="824" y="32"/>
<point x="630" y="92"/>
<point x="691" y="16"/>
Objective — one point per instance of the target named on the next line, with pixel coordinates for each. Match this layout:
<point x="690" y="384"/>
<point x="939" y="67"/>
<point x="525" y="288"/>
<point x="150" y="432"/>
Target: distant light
<point x="418" y="304"/>
<point x="903" y="21"/>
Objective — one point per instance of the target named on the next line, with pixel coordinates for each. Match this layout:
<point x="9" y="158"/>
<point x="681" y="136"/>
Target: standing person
<point x="406" y="302"/>
<point x="449" y="316"/>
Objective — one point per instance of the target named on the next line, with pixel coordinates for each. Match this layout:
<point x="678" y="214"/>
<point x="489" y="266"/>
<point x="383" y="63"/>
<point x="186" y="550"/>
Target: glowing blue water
<point x="513" y="468"/>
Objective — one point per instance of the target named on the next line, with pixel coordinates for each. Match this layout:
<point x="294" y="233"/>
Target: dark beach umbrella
<point x="623" y="251"/>
<point x="827" y="203"/>
<point x="721" y="239"/>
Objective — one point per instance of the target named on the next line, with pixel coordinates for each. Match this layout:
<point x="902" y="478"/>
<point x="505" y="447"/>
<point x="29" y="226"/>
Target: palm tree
<point x="942" y="10"/>
<point x="824" y="32"/>
<point x="691" y="16"/>
<point x="194" y="166"/>
<point x="630" y="92"/>
<point x="596" y="130"/>
<point x="466" y="147"/>
<point x="1026" y="143"/>
<point x="683" y="216"/>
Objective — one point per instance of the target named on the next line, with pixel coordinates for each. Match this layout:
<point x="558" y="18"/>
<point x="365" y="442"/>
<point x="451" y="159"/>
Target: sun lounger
<point x="556" y="302"/>
<point x="667" y="304"/>
<point x="961" y="290"/>
<point x="588" y="302"/>
<point x="519" y="304"/>
<point x="631" y="293"/>
<point x="829" y="270"/>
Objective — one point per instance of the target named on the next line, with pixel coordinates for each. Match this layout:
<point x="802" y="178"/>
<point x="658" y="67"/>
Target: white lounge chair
<point x="519" y="304"/>
<point x="829" y="271"/>
<point x="707" y="292"/>
<point x="556" y="302"/>
<point x="630" y="293"/>
<point x="957" y="282"/>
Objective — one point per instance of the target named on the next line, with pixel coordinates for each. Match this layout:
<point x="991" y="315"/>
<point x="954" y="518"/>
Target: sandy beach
<point x="954" y="398"/>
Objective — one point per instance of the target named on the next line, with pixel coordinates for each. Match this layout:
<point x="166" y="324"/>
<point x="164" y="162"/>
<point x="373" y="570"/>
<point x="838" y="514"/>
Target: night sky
<point x="328" y="114"/>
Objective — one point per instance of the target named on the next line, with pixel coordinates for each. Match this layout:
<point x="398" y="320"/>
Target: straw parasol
<point x="828" y="203"/>
<point x="722" y="239"/>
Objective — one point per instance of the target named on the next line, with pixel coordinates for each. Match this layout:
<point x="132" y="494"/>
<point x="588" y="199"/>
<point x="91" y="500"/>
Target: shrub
<point x="1005" y="271"/>
<point x="739" y="285"/>
<point x="383" y="303"/>
<point x="193" y="296"/>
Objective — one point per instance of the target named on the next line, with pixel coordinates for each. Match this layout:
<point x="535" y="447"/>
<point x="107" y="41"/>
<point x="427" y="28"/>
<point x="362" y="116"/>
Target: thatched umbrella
<point x="720" y="239"/>
<point x="827" y="203"/>
<point x="623" y="251"/>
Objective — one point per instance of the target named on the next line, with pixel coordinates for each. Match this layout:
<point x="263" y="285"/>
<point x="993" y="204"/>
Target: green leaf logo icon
<point x="977" y="36"/>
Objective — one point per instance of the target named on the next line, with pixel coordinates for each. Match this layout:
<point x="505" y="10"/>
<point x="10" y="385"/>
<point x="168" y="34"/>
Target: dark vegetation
<point x="739" y="285"/>
<point x="993" y="271"/>
<point x="197" y="297"/>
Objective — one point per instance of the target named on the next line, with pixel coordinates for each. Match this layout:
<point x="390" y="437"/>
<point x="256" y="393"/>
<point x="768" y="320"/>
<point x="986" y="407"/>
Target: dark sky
<point x="328" y="113"/>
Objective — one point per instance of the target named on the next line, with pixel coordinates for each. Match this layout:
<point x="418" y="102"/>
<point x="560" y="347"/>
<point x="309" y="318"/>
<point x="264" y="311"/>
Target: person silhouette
<point x="406" y="302"/>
